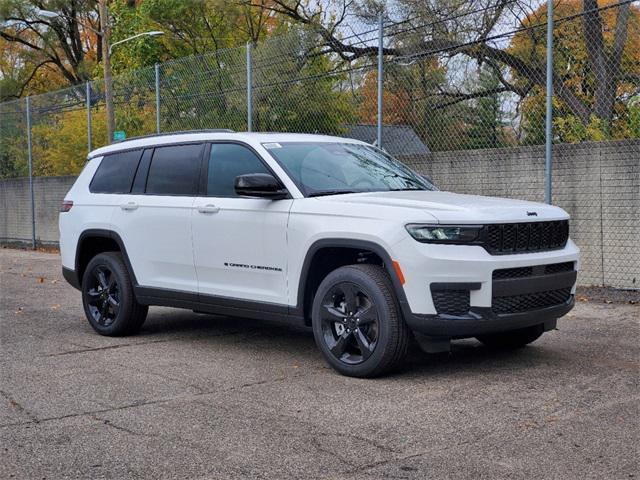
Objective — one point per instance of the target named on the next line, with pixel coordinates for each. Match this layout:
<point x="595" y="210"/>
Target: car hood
<point x="449" y="207"/>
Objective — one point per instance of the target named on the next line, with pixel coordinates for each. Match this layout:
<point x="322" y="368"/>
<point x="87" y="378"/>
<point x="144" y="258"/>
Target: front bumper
<point x="455" y="291"/>
<point x="482" y="320"/>
<point x="71" y="277"/>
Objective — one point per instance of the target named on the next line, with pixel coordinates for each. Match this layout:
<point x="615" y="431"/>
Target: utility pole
<point x="548" y="161"/>
<point x="380" y="80"/>
<point x="249" y="88"/>
<point x="106" y="62"/>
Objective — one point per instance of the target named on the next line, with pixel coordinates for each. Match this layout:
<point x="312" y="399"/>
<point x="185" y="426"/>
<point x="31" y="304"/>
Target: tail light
<point x="66" y="206"/>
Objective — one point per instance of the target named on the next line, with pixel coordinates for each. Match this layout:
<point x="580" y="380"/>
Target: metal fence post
<point x="157" y="69"/>
<point x="380" y="72"/>
<point x="549" y="105"/>
<point x="88" y="95"/>
<point x="30" y="153"/>
<point x="249" y="92"/>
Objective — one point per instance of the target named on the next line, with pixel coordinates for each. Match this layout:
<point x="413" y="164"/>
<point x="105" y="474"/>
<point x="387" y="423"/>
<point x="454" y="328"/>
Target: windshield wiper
<point x="406" y="189"/>
<point x="322" y="193"/>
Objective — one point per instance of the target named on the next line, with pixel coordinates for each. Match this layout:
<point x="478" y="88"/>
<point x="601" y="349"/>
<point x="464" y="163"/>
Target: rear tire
<point x="108" y="298"/>
<point x="512" y="339"/>
<point x="356" y="321"/>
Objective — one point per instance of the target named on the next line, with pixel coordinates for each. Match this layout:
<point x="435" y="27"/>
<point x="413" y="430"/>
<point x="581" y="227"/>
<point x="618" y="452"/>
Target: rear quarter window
<point x="115" y="173"/>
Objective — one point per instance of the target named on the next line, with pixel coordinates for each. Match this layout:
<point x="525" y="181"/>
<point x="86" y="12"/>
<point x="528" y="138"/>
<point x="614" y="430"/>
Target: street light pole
<point x="106" y="62"/>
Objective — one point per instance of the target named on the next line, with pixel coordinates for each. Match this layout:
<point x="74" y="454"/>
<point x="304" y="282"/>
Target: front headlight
<point x="462" y="234"/>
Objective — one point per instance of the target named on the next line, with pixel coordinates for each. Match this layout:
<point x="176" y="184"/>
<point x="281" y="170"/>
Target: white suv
<point x="317" y="230"/>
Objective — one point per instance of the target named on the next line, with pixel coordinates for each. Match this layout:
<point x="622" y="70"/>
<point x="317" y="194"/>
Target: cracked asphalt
<point x="197" y="396"/>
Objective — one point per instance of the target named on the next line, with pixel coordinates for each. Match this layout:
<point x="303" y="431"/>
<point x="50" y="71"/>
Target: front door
<point x="240" y="244"/>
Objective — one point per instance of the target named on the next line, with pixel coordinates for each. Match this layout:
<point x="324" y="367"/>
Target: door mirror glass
<point x="263" y="185"/>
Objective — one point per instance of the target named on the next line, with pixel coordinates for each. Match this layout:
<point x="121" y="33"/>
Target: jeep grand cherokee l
<point x="321" y="231"/>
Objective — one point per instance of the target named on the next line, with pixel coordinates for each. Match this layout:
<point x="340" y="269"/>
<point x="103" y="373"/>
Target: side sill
<point x="217" y="305"/>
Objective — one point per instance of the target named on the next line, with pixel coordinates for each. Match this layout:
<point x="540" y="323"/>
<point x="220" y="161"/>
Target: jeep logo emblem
<point x="532" y="214"/>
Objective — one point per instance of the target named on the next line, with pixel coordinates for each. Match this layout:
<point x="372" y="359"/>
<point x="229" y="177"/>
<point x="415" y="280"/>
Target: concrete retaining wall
<point x="15" y="208"/>
<point x="597" y="183"/>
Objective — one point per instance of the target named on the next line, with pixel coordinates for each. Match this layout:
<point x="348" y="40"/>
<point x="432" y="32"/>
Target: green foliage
<point x="13" y="143"/>
<point x="190" y="27"/>
<point x="298" y="94"/>
<point x="634" y="119"/>
<point x="485" y="128"/>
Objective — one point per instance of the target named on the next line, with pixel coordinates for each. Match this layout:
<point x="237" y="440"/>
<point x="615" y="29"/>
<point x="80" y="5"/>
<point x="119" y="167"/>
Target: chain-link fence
<point x="458" y="92"/>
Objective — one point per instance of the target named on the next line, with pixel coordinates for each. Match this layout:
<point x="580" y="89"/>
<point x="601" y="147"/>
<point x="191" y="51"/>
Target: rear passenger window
<point x="175" y="170"/>
<point x="115" y="173"/>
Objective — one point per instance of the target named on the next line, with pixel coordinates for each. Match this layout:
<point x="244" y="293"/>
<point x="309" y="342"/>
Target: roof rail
<point x="181" y="132"/>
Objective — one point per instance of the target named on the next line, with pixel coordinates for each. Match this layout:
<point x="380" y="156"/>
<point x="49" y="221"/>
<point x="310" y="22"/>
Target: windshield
<point x="322" y="168"/>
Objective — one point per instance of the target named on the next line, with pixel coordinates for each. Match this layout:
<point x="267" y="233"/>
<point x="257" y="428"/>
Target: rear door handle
<point x="129" y="206"/>
<point x="208" y="209"/>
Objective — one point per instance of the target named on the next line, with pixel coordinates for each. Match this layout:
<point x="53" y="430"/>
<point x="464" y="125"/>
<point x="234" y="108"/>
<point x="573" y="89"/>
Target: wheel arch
<point x="314" y="269"/>
<point x="94" y="241"/>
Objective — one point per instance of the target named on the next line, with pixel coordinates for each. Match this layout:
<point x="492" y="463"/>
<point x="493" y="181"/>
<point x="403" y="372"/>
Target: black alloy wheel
<point x="108" y="297"/>
<point x="349" y="323"/>
<point x="103" y="296"/>
<point x="357" y="324"/>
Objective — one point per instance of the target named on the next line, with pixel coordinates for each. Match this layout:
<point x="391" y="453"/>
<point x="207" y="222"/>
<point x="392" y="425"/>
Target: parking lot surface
<point x="197" y="396"/>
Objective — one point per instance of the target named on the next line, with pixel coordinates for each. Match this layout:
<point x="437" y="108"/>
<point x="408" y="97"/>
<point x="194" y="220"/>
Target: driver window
<point x="226" y="162"/>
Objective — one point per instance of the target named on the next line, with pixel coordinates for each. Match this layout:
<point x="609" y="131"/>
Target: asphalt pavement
<point x="198" y="396"/>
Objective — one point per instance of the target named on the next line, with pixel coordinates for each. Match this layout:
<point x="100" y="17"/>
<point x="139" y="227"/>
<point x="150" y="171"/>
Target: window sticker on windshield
<point x="269" y="146"/>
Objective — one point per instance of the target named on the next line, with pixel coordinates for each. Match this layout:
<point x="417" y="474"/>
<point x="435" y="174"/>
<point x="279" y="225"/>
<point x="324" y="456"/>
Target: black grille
<point x="558" y="267"/>
<point x="451" y="302"/>
<point x="501" y="239"/>
<point x="519" y="272"/>
<point x="530" y="301"/>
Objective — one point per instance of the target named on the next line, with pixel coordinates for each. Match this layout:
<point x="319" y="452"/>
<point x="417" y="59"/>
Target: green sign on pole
<point x="119" y="135"/>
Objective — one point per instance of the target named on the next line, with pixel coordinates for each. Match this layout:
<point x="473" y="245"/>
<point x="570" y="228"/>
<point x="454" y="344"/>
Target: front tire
<point x="512" y="339"/>
<point x="108" y="298"/>
<point x="356" y="321"/>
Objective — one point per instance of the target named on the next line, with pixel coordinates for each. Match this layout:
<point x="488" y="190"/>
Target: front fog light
<point x="444" y="233"/>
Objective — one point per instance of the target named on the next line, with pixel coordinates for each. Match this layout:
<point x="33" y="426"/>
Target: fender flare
<point x="102" y="233"/>
<point x="349" y="243"/>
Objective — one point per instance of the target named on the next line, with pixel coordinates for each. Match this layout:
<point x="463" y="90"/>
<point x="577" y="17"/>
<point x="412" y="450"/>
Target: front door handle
<point x="208" y="209"/>
<point x="129" y="206"/>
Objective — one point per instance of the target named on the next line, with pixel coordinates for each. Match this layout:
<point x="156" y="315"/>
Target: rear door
<point x="154" y="220"/>
<point x="240" y="244"/>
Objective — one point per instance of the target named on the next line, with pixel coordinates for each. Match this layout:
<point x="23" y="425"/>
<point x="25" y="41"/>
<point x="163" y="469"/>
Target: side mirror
<point x="261" y="185"/>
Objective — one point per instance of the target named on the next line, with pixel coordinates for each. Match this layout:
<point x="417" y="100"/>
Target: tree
<point x="472" y="30"/>
<point x="297" y="91"/>
<point x="598" y="56"/>
<point x="485" y="127"/>
<point x="65" y="47"/>
<point x="193" y="27"/>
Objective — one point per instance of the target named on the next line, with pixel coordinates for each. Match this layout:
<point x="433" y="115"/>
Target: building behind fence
<point x="467" y="107"/>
